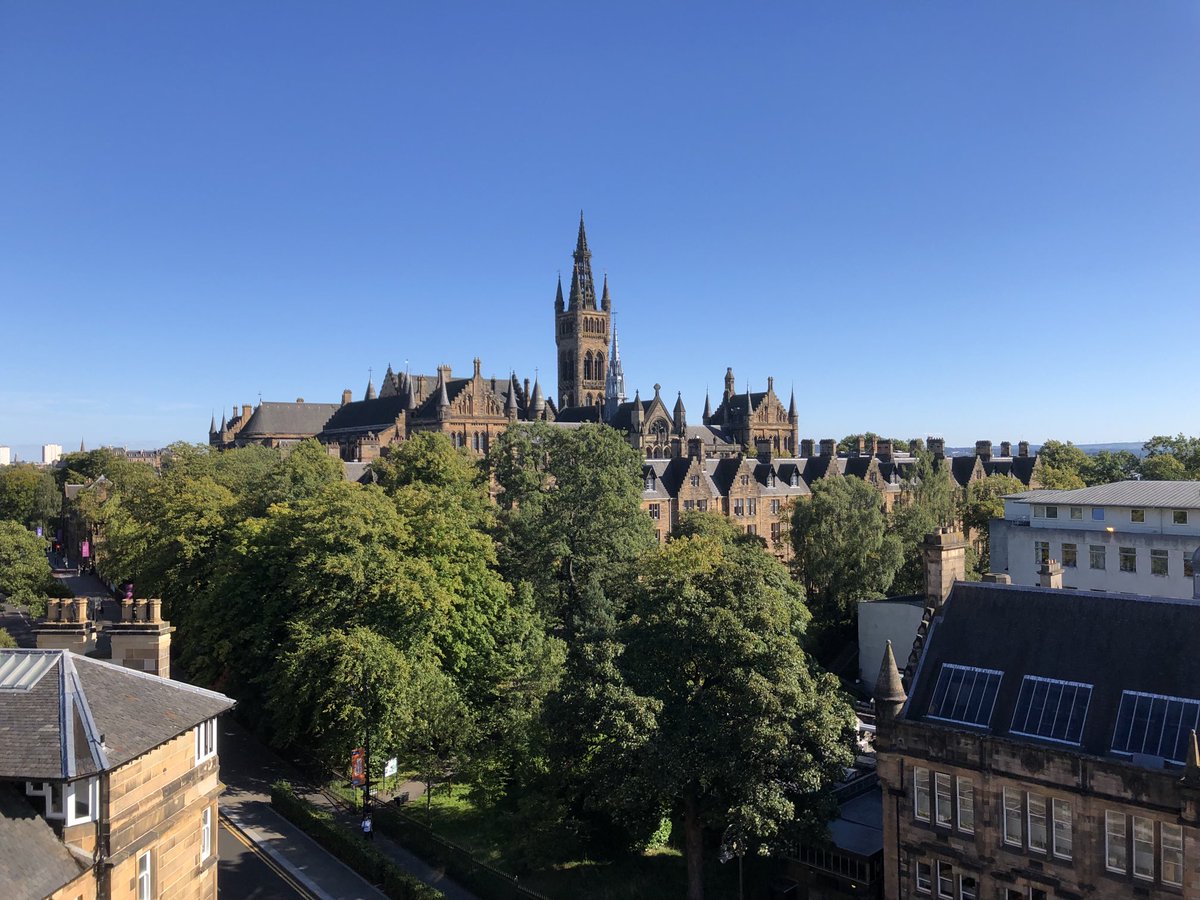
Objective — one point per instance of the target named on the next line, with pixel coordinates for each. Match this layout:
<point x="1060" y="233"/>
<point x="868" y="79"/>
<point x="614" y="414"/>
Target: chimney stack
<point x="937" y="446"/>
<point x="246" y="409"/>
<point x="861" y="448"/>
<point x="883" y="449"/>
<point x="1006" y="448"/>
<point x="806" y="447"/>
<point x="1050" y="574"/>
<point x="1022" y="448"/>
<point x="828" y="447"/>
<point x="142" y="640"/>
<point x="983" y="449"/>
<point x="945" y="554"/>
<point x="695" y="448"/>
<point x="763" y="446"/>
<point x="347" y="396"/>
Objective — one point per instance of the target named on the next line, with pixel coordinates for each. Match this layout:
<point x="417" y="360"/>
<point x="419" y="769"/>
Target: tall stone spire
<point x="212" y="424"/>
<point x="559" y="305"/>
<point x="605" y="299"/>
<point x="370" y="395"/>
<point x="680" y="415"/>
<point x="510" y="402"/>
<point x="583" y="289"/>
<point x="223" y="424"/>
<point x="81" y="447"/>
<point x="614" y="380"/>
<point x="792" y="417"/>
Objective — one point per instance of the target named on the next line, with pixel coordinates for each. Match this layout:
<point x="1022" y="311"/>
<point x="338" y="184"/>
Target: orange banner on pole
<point x="358" y="767"/>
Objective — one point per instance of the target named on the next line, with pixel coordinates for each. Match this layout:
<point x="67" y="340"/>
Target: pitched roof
<point x="579" y="414"/>
<point x="1164" y="494"/>
<point x="305" y="419"/>
<point x="52" y="720"/>
<point x="366" y="415"/>
<point x="34" y="863"/>
<point x="733" y="408"/>
<point x="1097" y="639"/>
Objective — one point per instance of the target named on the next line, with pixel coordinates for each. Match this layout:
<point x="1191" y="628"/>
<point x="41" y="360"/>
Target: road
<point x="246" y="873"/>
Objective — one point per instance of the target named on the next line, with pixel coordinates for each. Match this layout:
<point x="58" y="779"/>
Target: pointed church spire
<point x="707" y="408"/>
<point x="81" y="448"/>
<point x="510" y="402"/>
<point x="536" y="401"/>
<point x="370" y="395"/>
<point x="614" y="380"/>
<point x="581" y="242"/>
<point x="680" y="415"/>
<point x="583" y="290"/>
<point x="212" y="424"/>
<point x="559" y="306"/>
<point x="443" y="397"/>
<point x="223" y="424"/>
<point x="605" y="299"/>
<point x="792" y="408"/>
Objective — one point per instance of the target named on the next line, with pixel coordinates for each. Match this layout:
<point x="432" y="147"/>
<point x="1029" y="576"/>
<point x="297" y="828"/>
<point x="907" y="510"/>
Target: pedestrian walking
<point x="368" y="829"/>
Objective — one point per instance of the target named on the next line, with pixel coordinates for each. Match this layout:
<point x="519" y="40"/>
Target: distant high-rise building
<point x="5" y="456"/>
<point x="51" y="453"/>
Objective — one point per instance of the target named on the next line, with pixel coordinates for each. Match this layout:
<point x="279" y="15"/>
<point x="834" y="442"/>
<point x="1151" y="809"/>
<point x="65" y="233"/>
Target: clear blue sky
<point x="972" y="219"/>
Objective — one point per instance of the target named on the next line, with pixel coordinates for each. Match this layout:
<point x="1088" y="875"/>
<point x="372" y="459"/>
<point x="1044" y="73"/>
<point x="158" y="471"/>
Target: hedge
<point x="349" y="847"/>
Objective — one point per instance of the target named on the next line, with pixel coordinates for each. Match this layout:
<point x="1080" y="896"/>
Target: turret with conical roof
<point x="370" y="395"/>
<point x="889" y="690"/>
<point x="582" y="333"/>
<point x="707" y="409"/>
<point x="212" y="425"/>
<point x="680" y="416"/>
<point x="536" y="401"/>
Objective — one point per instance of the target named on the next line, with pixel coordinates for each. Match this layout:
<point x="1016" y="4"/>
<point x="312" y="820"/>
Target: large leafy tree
<point x="1185" y="449"/>
<point x="1164" y="467"/>
<point x="984" y="501"/>
<point x="845" y="551"/>
<point x="570" y="503"/>
<point x="1063" y="465"/>
<point x="24" y="571"/>
<point x="712" y="712"/>
<point x="1106" y="467"/>
<point x="929" y="504"/>
<point x="29" y="495"/>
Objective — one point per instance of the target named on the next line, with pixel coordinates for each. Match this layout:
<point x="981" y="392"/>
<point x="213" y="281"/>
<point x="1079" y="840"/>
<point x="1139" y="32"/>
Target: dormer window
<point x="795" y="479"/>
<point x="650" y="480"/>
<point x="206" y="740"/>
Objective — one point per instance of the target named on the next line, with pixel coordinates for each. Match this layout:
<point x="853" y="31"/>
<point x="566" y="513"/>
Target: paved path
<point x="248" y="769"/>
<point x="246" y="872"/>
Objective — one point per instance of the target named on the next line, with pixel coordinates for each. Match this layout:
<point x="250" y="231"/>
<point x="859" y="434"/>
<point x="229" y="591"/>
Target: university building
<point x="1044" y="748"/>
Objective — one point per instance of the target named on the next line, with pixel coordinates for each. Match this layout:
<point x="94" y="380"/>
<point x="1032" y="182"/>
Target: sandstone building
<point x="108" y="781"/>
<point x="1045" y="748"/>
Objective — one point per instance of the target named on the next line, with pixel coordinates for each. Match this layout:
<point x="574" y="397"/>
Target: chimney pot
<point x="828" y="446"/>
<point x="1006" y="448"/>
<point x="347" y="396"/>
<point x="154" y="610"/>
<point x="1050" y="574"/>
<point x="1023" y="448"/>
<point x="127" y="610"/>
<point x="53" y="609"/>
<point x="983" y="449"/>
<point x="883" y="449"/>
<point x="806" y="447"/>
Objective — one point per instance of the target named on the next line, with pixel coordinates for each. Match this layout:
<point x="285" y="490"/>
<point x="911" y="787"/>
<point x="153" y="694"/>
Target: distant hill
<point x="1134" y="447"/>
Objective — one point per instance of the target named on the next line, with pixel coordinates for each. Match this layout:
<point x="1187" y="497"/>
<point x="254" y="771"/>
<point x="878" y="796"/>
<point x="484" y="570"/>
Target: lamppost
<point x="733" y="844"/>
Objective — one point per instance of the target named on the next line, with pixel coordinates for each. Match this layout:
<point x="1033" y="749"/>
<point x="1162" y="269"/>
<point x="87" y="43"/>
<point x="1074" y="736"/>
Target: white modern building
<point x="5" y="456"/>
<point x="1131" y="536"/>
<point x="51" y="453"/>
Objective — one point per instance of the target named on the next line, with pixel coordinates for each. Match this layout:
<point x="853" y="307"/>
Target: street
<point x="246" y="873"/>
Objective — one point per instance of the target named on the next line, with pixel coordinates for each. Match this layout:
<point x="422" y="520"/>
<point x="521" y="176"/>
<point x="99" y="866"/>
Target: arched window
<point x="600" y="373"/>
<point x="588" y="401"/>
<point x="587" y="366"/>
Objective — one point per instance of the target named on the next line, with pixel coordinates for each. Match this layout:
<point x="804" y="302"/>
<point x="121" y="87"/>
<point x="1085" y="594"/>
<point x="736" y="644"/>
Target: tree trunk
<point x="693" y="849"/>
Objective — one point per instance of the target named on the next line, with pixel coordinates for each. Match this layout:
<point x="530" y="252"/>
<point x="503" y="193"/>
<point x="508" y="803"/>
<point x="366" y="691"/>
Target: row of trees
<point x="1164" y="458"/>
<point x="543" y="647"/>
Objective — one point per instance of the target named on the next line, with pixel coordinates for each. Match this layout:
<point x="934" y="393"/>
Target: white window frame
<point x="1176" y="850"/>
<point x="1141" y="822"/>
<point x="1012" y="805"/>
<point x="1039" y="800"/>
<point x="941" y="796"/>
<point x="1051" y="512"/>
<point x="87" y="789"/>
<point x="1111" y="831"/>
<point x="945" y="881"/>
<point x="924" y="886"/>
<point x="206" y="833"/>
<point x="206" y="740"/>
<point x="1137" y="516"/>
<point x="966" y="805"/>
<point x="968" y="893"/>
<point x="1062" y="827"/>
<point x="1077" y="513"/>
<point x="921" y="775"/>
<point x="1176" y="514"/>
<point x="145" y="875"/>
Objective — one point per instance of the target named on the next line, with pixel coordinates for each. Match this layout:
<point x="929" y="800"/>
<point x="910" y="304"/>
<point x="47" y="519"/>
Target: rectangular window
<point x="1096" y="555"/>
<point x="964" y="694"/>
<point x="1158" y="562"/>
<point x="689" y="505"/>
<point x="655" y="512"/>
<point x="1155" y="725"/>
<point x="1143" y="848"/>
<point x="774" y="507"/>
<point x="1051" y="709"/>
<point x="1179" y="517"/>
<point x="702" y="505"/>
<point x="1037" y="822"/>
<point x="924" y="877"/>
<point x="1189" y="571"/>
<point x="1137" y="515"/>
<point x="206" y="740"/>
<point x="774" y="532"/>
<point x="966" y="805"/>
<point x="1063" y="837"/>
<point x="143" y="876"/>
<point x="694" y="481"/>
<point x="82" y="800"/>
<point x="1115" y="854"/>
<point x="739" y="507"/>
<point x="921" y="794"/>
<point x="1070" y="556"/>
<point x="752" y="506"/>
<point x="1051" y="512"/>
<point x="54" y="802"/>
<point x="1012" y="817"/>
<point x="1097" y="514"/>
<point x="1171" y="865"/>
<point x="751" y="529"/>
<point x="1039" y="512"/>
<point x="941" y="796"/>
<point x="1128" y="559"/>
<point x="968" y="888"/>
<point x="945" y="881"/>
<point x="1041" y="552"/>
<point x="1077" y="513"/>
<point x="206" y="833"/>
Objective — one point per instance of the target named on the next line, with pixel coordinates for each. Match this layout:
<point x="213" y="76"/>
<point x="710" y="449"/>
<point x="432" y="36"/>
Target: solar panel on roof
<point x="1155" y="725"/>
<point x="1051" y="709"/>
<point x="964" y="694"/>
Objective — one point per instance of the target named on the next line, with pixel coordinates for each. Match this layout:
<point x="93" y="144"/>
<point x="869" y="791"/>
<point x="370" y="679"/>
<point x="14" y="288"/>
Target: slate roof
<point x="366" y="415"/>
<point x="34" y="863"/>
<point x="1114" y="642"/>
<point x="578" y="414"/>
<point x="293" y="419"/>
<point x="1151" y="494"/>
<point x="622" y="417"/>
<point x="52" y="730"/>
<point x="733" y="408"/>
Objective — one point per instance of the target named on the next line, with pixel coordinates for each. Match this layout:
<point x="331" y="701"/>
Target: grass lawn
<point x="659" y="873"/>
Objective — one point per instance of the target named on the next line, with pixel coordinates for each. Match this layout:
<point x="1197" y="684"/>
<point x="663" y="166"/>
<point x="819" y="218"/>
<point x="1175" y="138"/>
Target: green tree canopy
<point x="1106" y="467"/>
<point x="24" y="570"/>
<point x="1185" y="449"/>
<point x="1063" y="465"/>
<point x="29" y="495"/>
<point x="984" y="502"/>
<point x="845" y="551"/>
<point x="1163" y="467"/>
<point x="928" y="504"/>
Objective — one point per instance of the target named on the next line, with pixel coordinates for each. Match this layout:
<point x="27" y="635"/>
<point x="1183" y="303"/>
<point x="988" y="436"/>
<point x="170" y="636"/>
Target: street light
<point x="733" y="843"/>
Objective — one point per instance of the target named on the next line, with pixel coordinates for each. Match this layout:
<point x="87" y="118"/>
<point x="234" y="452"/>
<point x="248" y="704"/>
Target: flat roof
<point x="1159" y="494"/>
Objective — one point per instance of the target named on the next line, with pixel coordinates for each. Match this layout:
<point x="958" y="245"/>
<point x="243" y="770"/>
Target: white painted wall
<point x="880" y="621"/>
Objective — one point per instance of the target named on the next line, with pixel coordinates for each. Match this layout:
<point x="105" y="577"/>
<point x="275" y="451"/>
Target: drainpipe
<point x="103" y="867"/>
